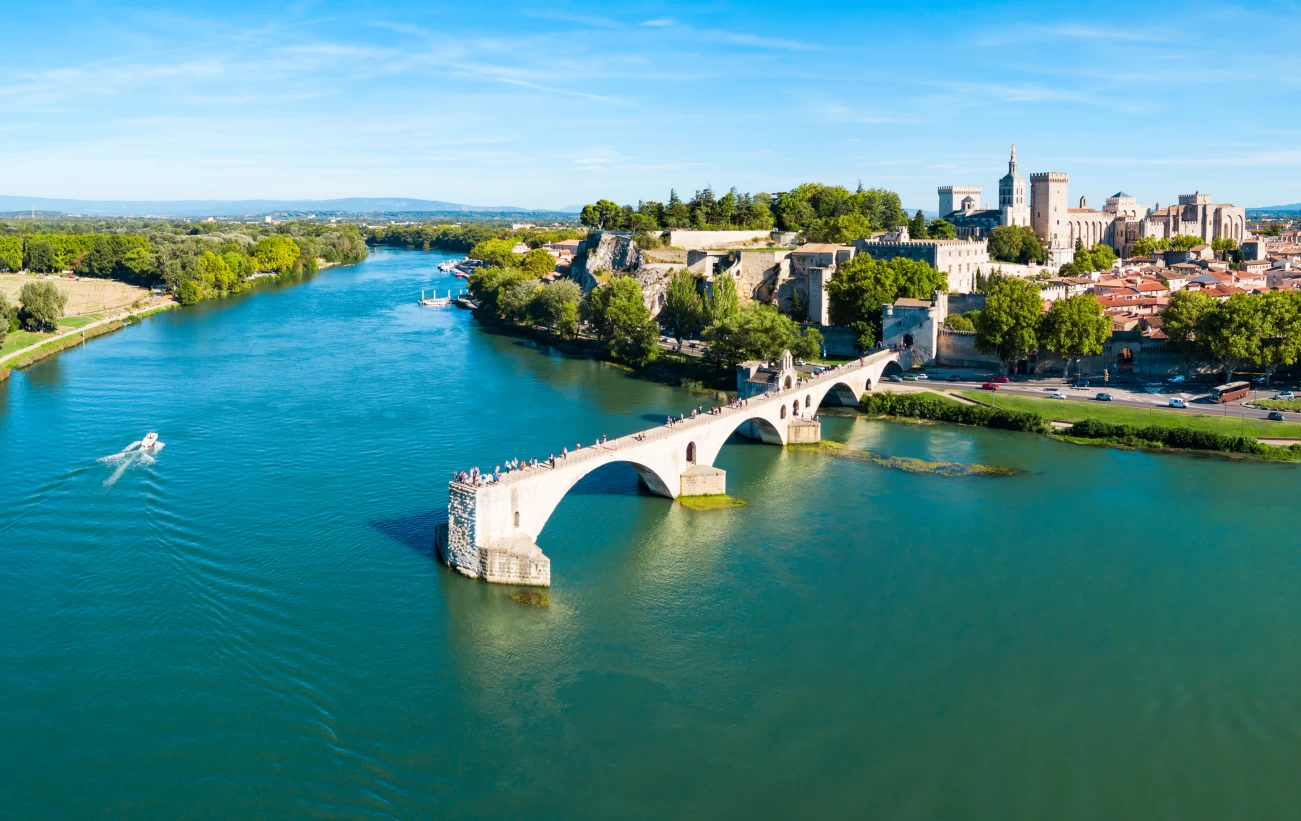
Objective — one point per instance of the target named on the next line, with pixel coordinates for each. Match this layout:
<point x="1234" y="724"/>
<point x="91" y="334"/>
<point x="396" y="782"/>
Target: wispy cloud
<point x="658" y="22"/>
<point x="591" y="20"/>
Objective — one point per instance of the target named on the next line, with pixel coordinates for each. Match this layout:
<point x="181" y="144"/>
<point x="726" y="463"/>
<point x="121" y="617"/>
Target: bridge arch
<point x="691" y="453"/>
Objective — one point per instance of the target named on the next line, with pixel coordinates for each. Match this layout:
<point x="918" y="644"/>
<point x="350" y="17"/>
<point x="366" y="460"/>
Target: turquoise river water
<point x="254" y="625"/>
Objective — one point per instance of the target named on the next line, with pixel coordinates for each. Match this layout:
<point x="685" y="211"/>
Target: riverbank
<point x="50" y="344"/>
<point x="676" y="370"/>
<point x="1171" y="433"/>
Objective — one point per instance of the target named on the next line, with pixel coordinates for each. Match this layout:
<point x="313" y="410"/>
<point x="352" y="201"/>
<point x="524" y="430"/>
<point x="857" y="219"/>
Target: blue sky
<point x="549" y="105"/>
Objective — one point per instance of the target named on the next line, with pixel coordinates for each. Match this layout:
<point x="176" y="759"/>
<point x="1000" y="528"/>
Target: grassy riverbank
<point x="1025" y="416"/>
<point x="1070" y="411"/>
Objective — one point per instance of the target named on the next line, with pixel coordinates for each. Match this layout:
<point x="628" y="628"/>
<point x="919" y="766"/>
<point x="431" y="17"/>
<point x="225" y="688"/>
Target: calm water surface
<point x="255" y="626"/>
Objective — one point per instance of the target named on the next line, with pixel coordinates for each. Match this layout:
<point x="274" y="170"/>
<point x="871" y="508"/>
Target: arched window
<point x="517" y="518"/>
<point x="783" y="412"/>
<point x="788" y="383"/>
<point x="808" y="401"/>
<point x="795" y="408"/>
<point x="691" y="453"/>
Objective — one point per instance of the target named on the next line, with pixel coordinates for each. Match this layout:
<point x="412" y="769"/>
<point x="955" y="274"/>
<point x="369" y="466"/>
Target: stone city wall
<point x="695" y="240"/>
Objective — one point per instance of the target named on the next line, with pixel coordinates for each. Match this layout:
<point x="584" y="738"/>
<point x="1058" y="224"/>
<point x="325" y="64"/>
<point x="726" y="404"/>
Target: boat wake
<point x="136" y="453"/>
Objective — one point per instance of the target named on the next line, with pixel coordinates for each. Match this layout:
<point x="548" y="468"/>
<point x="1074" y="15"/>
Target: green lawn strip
<point x="71" y="323"/>
<point x="17" y="340"/>
<point x="1072" y="411"/>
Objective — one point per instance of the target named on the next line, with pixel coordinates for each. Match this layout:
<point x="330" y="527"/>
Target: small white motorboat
<point x="436" y="301"/>
<point x="149" y="441"/>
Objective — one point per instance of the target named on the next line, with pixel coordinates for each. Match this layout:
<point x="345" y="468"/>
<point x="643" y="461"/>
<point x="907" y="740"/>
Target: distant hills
<point x="250" y="208"/>
<point x="1293" y="208"/>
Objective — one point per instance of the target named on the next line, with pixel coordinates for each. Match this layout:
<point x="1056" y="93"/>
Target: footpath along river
<point x="254" y="625"/>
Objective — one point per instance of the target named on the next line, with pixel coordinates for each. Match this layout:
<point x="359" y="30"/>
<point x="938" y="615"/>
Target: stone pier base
<point x="510" y="561"/>
<point x="702" y="480"/>
<point x="804" y="432"/>
<point x="515" y="561"/>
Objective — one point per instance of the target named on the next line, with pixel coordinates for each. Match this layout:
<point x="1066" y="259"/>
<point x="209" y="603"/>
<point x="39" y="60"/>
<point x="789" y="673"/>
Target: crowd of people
<point x="474" y="478"/>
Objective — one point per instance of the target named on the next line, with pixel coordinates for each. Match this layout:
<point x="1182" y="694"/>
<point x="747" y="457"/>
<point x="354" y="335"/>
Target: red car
<point x="989" y="386"/>
<point x="1001" y="380"/>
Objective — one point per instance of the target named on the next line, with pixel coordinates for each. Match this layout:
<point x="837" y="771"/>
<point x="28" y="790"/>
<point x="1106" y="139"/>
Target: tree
<point x="515" y="301"/>
<point x="723" y="302"/>
<point x="861" y="286"/>
<point x="1103" y="257"/>
<point x="1179" y="323"/>
<point x="1075" y="327"/>
<point x="759" y="331"/>
<point x="40" y="256"/>
<point x="798" y="312"/>
<point x="1280" y="333"/>
<point x="622" y="321"/>
<point x="1224" y="244"/>
<point x="917" y="226"/>
<point x="604" y="215"/>
<point x="942" y="229"/>
<point x="537" y="263"/>
<point x="959" y="322"/>
<point x="498" y="252"/>
<point x="554" y="300"/>
<point x="1015" y="243"/>
<point x="683" y="311"/>
<point x="1144" y="247"/>
<point x="1009" y="323"/>
<point x="5" y="311"/>
<point x="1231" y="331"/>
<point x="276" y="253"/>
<point x="42" y="305"/>
<point x="1185" y="242"/>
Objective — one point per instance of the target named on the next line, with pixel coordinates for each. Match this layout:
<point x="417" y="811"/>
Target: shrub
<point x="1168" y="437"/>
<point x="939" y="409"/>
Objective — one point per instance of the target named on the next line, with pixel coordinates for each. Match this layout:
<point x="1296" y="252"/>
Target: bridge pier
<point x="703" y="480"/>
<point x="804" y="432"/>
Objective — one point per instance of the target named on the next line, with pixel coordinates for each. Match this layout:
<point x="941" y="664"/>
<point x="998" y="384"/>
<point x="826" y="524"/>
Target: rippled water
<point x="254" y="625"/>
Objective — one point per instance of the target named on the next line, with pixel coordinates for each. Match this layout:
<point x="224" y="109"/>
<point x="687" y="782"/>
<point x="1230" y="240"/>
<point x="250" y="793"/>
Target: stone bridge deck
<point x="493" y="526"/>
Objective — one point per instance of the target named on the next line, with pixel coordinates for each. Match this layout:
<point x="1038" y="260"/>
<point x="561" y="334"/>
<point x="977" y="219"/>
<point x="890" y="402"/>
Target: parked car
<point x="1103" y="397"/>
<point x="1285" y="395"/>
<point x="922" y="377"/>
<point x="1002" y="380"/>
<point x="1176" y="402"/>
<point x="1056" y="395"/>
<point x="989" y="386"/>
<point x="1275" y="416"/>
<point x="910" y="377"/>
<point x="1257" y="380"/>
<point x="1176" y="380"/>
<point x="953" y="377"/>
<point x="1080" y="383"/>
<point x="894" y="377"/>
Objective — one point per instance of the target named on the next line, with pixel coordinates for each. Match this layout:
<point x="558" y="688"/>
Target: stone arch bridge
<point x="492" y="528"/>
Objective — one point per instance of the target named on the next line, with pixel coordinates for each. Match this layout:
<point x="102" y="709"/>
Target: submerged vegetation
<point x="718" y="501"/>
<point x="532" y="598"/>
<point x="904" y="463"/>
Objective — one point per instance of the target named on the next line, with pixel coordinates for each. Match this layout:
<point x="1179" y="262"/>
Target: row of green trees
<point x="825" y="213"/>
<point x="616" y="315"/>
<point x="193" y="262"/>
<point x="1147" y="246"/>
<point x="1245" y="329"/>
<point x="1087" y="260"/>
<point x="462" y="238"/>
<point x="1013" y="323"/>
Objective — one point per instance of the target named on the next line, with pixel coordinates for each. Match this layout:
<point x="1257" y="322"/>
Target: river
<point x="255" y="625"/>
